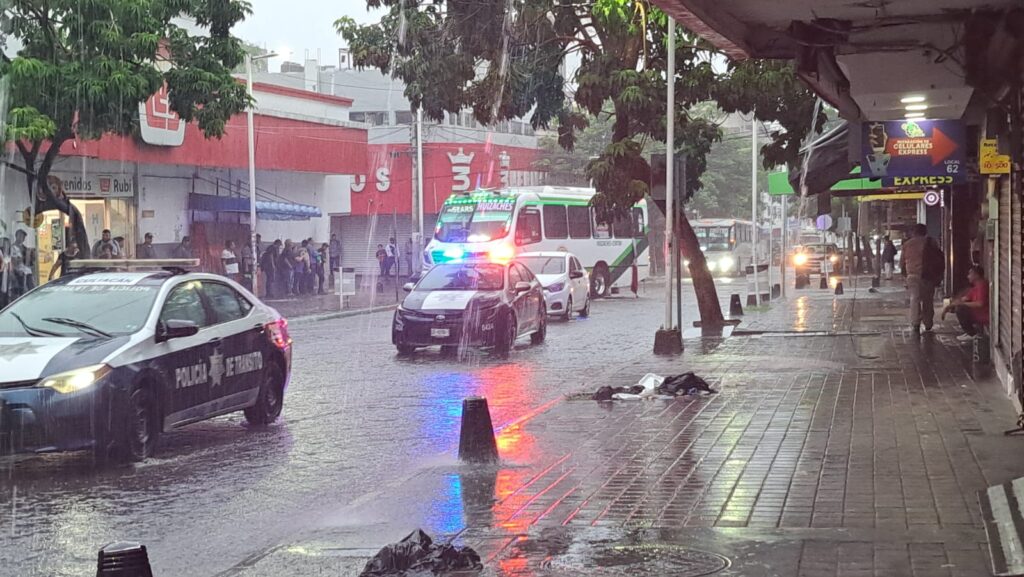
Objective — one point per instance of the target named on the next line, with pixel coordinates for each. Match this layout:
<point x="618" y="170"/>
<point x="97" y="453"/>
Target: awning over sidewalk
<point x="264" y="209"/>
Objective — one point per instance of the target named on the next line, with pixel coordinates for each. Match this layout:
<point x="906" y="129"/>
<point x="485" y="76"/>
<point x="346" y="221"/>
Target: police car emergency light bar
<point x="135" y="263"/>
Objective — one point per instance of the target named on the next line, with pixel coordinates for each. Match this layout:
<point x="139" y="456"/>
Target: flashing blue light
<point x="454" y="253"/>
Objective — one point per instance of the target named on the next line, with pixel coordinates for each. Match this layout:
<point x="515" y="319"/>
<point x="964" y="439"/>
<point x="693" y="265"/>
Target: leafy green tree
<point x="504" y="60"/>
<point x="84" y="67"/>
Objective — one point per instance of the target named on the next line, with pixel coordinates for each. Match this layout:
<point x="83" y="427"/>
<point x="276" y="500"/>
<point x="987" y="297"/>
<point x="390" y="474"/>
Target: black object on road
<point x="417" y="555"/>
<point x="124" y="559"/>
<point x="735" y="307"/>
<point x="476" y="439"/>
<point x="839" y="288"/>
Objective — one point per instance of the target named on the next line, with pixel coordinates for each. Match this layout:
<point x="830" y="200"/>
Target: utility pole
<point x="669" y="340"/>
<point x="753" y="201"/>
<point x="417" y="193"/>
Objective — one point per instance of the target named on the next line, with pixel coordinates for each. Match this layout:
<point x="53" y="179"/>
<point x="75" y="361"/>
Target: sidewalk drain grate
<point x="638" y="560"/>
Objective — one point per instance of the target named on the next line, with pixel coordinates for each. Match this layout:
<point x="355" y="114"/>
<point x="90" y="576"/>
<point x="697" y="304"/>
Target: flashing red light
<point x="277" y="332"/>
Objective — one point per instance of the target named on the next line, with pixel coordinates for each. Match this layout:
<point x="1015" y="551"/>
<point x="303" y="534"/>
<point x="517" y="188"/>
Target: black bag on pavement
<point x="417" y="555"/>
<point x="684" y="384"/>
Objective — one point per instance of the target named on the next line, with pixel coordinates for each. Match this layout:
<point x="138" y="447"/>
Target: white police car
<point x="109" y="359"/>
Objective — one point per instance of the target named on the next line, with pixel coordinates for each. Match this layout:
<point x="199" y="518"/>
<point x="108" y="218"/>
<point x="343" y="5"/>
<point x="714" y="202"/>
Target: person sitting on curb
<point x="971" y="307"/>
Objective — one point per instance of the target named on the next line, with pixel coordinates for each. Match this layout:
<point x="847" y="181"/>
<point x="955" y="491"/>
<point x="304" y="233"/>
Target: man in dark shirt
<point x="147" y="250"/>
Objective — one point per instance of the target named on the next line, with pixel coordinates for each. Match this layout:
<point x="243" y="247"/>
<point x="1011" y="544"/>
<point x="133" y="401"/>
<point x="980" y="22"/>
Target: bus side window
<point x="555" y="225"/>
<point x="528" y="226"/>
<point x="623" y="227"/>
<point x="601" y="230"/>
<point x="638" y="219"/>
<point x="579" y="222"/>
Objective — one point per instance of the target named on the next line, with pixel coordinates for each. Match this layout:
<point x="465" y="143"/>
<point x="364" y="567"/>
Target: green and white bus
<point x="500" y="224"/>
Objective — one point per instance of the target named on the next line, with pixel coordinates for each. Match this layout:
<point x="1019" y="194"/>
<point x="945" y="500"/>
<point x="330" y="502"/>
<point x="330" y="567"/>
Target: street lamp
<point x="249" y="58"/>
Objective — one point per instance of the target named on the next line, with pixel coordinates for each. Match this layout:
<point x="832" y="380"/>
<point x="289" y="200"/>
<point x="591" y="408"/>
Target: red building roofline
<point x="298" y="93"/>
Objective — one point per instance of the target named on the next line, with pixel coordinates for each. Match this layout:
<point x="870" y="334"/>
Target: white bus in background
<point x="728" y="244"/>
<point x="500" y="224"/>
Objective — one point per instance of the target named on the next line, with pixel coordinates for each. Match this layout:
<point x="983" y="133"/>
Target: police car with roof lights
<point x="111" y="356"/>
<point x="470" y="304"/>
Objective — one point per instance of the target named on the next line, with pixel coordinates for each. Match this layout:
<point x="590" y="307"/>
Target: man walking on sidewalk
<point x="922" y="264"/>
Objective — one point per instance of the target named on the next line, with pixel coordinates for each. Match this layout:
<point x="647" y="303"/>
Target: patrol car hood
<point x="435" y="301"/>
<point x="30" y="358"/>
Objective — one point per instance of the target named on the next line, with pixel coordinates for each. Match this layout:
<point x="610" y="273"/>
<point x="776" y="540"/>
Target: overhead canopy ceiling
<point x="863" y="56"/>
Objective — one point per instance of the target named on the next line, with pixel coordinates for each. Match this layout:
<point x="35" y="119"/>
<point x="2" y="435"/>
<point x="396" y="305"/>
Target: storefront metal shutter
<point x="1016" y="255"/>
<point x="360" y="236"/>
<point x="1004" y="254"/>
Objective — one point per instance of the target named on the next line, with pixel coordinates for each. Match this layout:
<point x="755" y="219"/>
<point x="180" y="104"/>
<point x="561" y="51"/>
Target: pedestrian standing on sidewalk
<point x="230" y="261"/>
<point x="322" y="263"/>
<point x="391" y="258"/>
<point x="184" y="249"/>
<point x="147" y="250"/>
<point x="408" y="257"/>
<point x="64" y="260"/>
<point x="314" y="256"/>
<point x="301" y="268"/>
<point x="971" y="307"/>
<point x="923" y="264"/>
<point x="5" y="271"/>
<point x="335" y="254"/>
<point x="888" y="257"/>
<point x="286" y="267"/>
<point x="268" y="264"/>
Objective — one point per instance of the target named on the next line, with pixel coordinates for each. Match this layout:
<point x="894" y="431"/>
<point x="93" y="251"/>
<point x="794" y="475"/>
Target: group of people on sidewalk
<point x="292" y="269"/>
<point x="923" y="266"/>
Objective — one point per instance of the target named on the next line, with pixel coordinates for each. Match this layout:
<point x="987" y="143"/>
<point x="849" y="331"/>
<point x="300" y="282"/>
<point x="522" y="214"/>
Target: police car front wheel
<point x="143" y="427"/>
<point x="271" y="398"/>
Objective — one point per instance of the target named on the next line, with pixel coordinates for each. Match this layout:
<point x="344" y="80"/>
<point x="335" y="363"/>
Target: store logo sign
<point x="97" y="185"/>
<point x="159" y="125"/>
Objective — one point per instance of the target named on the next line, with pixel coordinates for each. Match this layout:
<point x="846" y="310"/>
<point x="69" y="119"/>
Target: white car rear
<point x="565" y="281"/>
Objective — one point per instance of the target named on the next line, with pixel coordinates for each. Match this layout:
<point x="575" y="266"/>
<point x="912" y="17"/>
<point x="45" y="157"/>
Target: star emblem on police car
<point x="11" y="352"/>
<point x="217" y="369"/>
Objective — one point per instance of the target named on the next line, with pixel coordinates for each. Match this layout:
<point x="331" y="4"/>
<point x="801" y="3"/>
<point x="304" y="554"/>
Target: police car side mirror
<point x="175" y="329"/>
<point x="522" y="287"/>
<point x="407" y="287"/>
<point x="576" y="274"/>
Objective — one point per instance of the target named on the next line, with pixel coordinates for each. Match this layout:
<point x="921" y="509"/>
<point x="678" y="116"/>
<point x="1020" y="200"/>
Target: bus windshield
<point x="713" y="238"/>
<point x="478" y="221"/>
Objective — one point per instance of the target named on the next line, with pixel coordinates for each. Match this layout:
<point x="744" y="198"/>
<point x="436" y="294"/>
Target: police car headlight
<point x="76" y="380"/>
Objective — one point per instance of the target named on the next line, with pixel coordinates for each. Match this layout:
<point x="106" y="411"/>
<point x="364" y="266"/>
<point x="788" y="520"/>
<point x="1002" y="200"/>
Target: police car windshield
<point x="462" y="277"/>
<point x="113" y="309"/>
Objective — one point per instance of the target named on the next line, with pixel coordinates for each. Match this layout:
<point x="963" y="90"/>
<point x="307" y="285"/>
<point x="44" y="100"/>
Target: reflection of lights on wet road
<point x="833" y="281"/>
<point x="801" y="313"/>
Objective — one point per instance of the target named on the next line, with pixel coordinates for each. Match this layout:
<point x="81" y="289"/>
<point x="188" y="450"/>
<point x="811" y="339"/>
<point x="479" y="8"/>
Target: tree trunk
<point x="46" y="198"/>
<point x="703" y="282"/>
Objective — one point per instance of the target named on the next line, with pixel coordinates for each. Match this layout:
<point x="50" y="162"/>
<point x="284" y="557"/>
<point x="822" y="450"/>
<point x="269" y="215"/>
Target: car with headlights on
<point x="108" y="359"/>
<point x="565" y="281"/>
<point x="811" y="259"/>
<point x="458" y="305"/>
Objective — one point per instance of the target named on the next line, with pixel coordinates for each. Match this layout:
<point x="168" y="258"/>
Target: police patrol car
<point x="109" y="358"/>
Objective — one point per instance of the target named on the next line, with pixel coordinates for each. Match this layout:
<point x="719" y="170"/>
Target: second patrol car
<point x="108" y="360"/>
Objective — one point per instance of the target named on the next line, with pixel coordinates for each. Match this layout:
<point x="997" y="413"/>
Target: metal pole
<point x="679" y="253"/>
<point x="418" y="244"/>
<point x="252" y="178"/>
<point x="771" y="235"/>
<point x="753" y="201"/>
<point x="785" y="233"/>
<point x="670" y="138"/>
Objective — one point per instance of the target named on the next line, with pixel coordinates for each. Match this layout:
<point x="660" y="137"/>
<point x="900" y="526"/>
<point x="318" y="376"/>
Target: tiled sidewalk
<point x="854" y="453"/>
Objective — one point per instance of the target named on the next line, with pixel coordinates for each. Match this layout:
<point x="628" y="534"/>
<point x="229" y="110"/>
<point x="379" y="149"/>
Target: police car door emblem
<point x="11" y="352"/>
<point x="216" y="368"/>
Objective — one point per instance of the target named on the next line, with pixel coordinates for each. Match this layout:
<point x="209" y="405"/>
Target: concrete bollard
<point x="751" y="300"/>
<point x="735" y="308"/>
<point x="824" y="282"/>
<point x="875" y="282"/>
<point x="476" y="440"/>
<point x="124" y="559"/>
<point x="776" y="290"/>
<point x="839" y="288"/>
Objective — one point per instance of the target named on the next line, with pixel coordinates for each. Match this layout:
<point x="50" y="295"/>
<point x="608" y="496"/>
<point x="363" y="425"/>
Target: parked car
<point x="565" y="281"/>
<point x="809" y="258"/>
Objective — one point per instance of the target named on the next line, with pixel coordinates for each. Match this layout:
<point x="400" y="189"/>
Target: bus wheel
<point x="600" y="281"/>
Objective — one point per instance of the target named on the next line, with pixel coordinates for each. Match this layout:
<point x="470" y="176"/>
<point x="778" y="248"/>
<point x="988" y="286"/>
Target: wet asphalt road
<point x="356" y="418"/>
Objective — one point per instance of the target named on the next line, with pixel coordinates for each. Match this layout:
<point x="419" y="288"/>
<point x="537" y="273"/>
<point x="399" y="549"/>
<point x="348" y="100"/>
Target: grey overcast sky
<point x="299" y="25"/>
